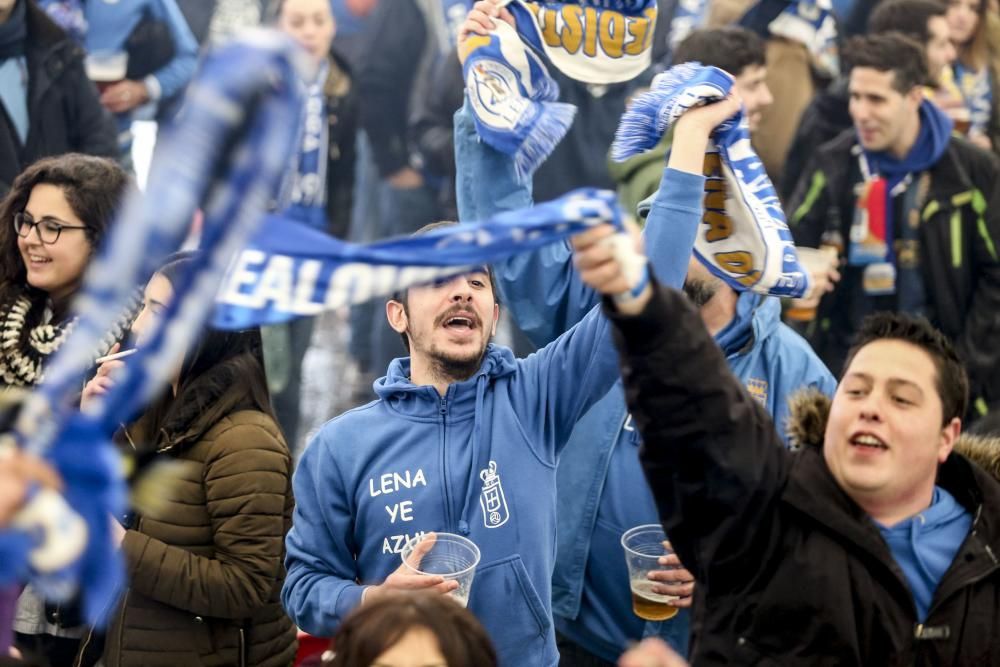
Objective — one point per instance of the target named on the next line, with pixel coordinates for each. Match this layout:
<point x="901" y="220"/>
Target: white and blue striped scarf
<point x="513" y="98"/>
<point x="743" y="238"/>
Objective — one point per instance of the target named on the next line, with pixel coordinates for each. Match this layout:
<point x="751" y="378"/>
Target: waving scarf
<point x="743" y="238"/>
<point x="811" y="23"/>
<point x="231" y="152"/>
<point x="290" y="270"/>
<point x="514" y="98"/>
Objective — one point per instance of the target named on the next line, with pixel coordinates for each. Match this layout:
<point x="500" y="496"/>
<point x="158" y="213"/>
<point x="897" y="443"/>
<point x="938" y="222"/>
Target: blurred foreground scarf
<point x="743" y="238"/>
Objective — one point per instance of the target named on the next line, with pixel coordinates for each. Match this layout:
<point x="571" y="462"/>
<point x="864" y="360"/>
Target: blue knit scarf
<point x="743" y="238"/>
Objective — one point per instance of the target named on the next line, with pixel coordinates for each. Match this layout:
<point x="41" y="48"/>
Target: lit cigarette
<point x="116" y="355"/>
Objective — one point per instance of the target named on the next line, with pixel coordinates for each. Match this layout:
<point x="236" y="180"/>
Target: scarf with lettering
<point x="229" y="153"/>
<point x="513" y="98"/>
<point x="743" y="238"/>
<point x="290" y="270"/>
<point x="305" y="199"/>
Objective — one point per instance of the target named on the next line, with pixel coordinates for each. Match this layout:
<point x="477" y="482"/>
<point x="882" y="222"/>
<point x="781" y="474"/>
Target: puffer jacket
<point x="205" y="576"/>
<point x="790" y="570"/>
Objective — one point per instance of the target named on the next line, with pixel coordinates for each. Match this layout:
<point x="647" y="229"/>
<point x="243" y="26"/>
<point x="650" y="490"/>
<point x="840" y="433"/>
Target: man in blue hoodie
<point x="601" y="491"/>
<point x="461" y="426"/>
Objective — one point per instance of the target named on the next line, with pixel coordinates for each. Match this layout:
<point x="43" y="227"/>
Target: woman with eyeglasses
<point x="51" y="223"/>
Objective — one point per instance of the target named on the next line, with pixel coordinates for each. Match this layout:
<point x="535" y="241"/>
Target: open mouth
<point x="868" y="441"/>
<point x="460" y="323"/>
<point x="38" y="259"/>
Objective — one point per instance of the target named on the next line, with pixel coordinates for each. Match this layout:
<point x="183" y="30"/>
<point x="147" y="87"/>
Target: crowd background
<point x="391" y="85"/>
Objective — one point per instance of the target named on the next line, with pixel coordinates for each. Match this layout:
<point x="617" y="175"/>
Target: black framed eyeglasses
<point x="47" y="229"/>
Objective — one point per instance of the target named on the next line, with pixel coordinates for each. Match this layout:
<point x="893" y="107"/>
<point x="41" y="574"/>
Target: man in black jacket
<point x="48" y="105"/>
<point x="878" y="546"/>
<point x="914" y="213"/>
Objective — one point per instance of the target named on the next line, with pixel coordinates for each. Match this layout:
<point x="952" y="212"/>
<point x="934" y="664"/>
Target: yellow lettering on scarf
<point x="638" y="28"/>
<point x="739" y="262"/>
<point x="471" y="43"/>
<point x="572" y="32"/>
<point x="547" y="22"/>
<point x="715" y="195"/>
<point x="612" y="34"/>
<point x="590" y="32"/>
<point x="720" y="227"/>
<point x="712" y="167"/>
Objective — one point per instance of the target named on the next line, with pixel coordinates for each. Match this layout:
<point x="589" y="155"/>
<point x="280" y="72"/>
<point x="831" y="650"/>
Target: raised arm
<point x="711" y="453"/>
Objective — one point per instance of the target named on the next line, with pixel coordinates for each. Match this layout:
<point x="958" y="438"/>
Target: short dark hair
<point x="890" y="52"/>
<point x="377" y="625"/>
<point x="952" y="382"/>
<point x="402" y="295"/>
<point x="909" y="17"/>
<point x="732" y="49"/>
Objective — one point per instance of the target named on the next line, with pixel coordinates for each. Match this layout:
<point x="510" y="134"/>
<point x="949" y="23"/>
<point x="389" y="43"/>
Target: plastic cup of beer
<point x="106" y="67"/>
<point x="644" y="546"/>
<point x="446" y="555"/>
<point x="815" y="261"/>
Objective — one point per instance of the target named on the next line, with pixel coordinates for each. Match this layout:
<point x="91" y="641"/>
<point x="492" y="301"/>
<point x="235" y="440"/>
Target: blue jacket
<point x="601" y="487"/>
<point x="414" y="462"/>
<point x="110" y="22"/>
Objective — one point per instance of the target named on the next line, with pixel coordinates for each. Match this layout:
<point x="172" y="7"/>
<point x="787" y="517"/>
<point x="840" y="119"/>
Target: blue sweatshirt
<point x="925" y="545"/>
<point x="414" y="461"/>
<point x="111" y="22"/>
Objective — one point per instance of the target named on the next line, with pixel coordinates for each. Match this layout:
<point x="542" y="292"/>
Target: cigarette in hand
<point x="116" y="355"/>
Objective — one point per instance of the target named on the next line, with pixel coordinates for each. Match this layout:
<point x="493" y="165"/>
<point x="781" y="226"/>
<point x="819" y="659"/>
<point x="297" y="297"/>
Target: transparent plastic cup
<point x="106" y="67"/>
<point x="446" y="555"/>
<point x="644" y="546"/>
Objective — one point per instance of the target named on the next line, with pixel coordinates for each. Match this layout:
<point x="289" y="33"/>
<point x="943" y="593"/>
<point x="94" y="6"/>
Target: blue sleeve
<point x="804" y="370"/>
<point x="542" y="288"/>
<point x="320" y="588"/>
<point x="176" y="74"/>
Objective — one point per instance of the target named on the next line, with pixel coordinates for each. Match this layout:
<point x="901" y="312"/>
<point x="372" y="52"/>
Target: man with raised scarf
<point x="913" y="211"/>
<point x="601" y="491"/>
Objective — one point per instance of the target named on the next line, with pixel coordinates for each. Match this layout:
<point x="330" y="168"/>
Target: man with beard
<point x="463" y="439"/>
<point x="601" y="491"/>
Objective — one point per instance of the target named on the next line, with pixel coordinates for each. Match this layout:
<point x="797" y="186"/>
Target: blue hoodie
<point x="925" y="545"/>
<point x="601" y="490"/>
<point x="414" y="461"/>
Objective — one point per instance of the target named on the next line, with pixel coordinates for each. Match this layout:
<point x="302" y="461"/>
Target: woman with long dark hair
<point x="205" y="572"/>
<point x="52" y="221"/>
<point x="975" y="31"/>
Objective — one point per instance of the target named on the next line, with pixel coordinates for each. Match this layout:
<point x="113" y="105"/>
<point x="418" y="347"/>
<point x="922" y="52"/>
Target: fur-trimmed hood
<point x="809" y="409"/>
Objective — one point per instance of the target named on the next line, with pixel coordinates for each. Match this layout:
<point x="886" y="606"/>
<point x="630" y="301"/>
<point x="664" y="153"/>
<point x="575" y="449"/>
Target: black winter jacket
<point x="959" y="242"/>
<point x="789" y="570"/>
<point x="63" y="106"/>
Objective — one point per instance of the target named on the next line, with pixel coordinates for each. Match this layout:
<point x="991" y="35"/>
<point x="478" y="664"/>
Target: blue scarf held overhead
<point x="743" y="238"/>
<point x="688" y="17"/>
<point x="290" y="271"/>
<point x="231" y="152"/>
<point x="512" y="96"/>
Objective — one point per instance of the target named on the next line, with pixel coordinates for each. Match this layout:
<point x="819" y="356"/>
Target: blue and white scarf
<point x="514" y="98"/>
<point x="811" y="23"/>
<point x="743" y="238"/>
<point x="290" y="270"/>
<point x="977" y="93"/>
<point x="688" y="17"/>
<point x="305" y="199"/>
<point x="231" y="153"/>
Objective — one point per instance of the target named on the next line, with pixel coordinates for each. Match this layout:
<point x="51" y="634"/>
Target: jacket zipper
<point x="443" y="410"/>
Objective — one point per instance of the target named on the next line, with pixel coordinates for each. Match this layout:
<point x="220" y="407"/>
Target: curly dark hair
<point x="890" y="52"/>
<point x="94" y="188"/>
<point x="952" y="382"/>
<point x="377" y="625"/>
